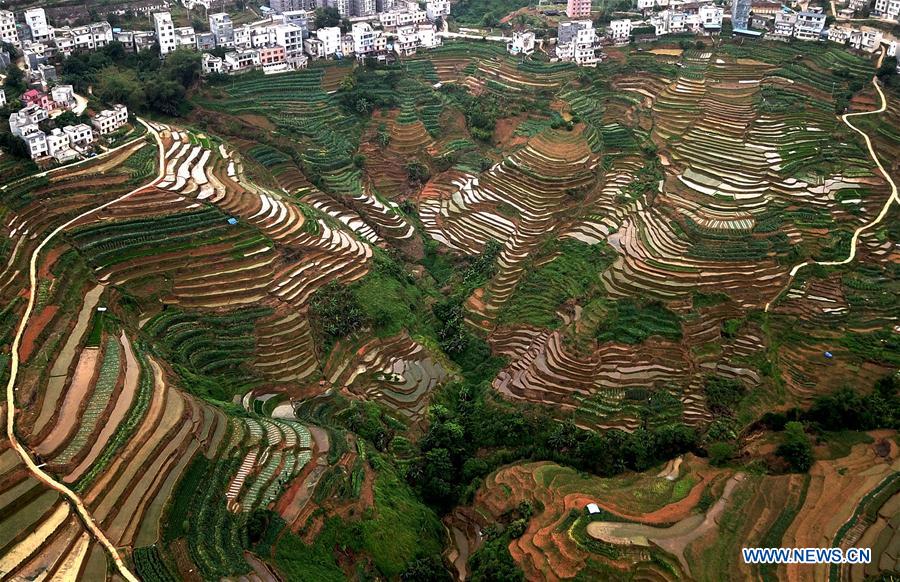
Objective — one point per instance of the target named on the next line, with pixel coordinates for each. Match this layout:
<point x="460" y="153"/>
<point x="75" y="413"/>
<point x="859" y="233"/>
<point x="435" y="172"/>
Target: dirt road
<point x="38" y="473"/>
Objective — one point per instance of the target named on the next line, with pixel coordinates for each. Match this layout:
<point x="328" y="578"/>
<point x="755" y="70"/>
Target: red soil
<point x="35" y="326"/>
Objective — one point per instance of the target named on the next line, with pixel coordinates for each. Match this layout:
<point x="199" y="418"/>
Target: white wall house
<point x="110" y="120"/>
<point x="211" y="64"/>
<point x="889" y="9"/>
<point x="79" y="135"/>
<point x="809" y="25"/>
<point x="619" y="30"/>
<point x="577" y="42"/>
<point x="165" y="32"/>
<point x="37" y="144"/>
<point x="8" y="32"/>
<point x="415" y="36"/>
<point x="522" y="43"/>
<point x="366" y="40"/>
<point x="222" y="28"/>
<point x="435" y="9"/>
<point x="36" y="21"/>
<point x="63" y="96"/>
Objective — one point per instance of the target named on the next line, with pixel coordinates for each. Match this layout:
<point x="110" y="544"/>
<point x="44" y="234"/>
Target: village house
<point x="522" y="43"/>
<point x="109" y="120"/>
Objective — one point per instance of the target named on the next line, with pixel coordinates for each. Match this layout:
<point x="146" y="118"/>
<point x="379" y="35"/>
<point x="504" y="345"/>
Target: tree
<point x="183" y="66"/>
<point x="795" y="448"/>
<point x="116" y="85"/>
<point x="165" y="96"/>
<point x="336" y="311"/>
<point x="417" y="172"/>
<point x="720" y="453"/>
<point x="429" y="569"/>
<point x="327" y="17"/>
<point x="722" y="394"/>
<point x="15" y="80"/>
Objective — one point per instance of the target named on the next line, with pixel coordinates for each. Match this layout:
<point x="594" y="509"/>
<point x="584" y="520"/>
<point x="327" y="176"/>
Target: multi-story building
<point x="63" y="96"/>
<point x="577" y="42"/>
<point x="271" y="55"/>
<point x="740" y="14"/>
<point x="59" y="146"/>
<point x="78" y="38"/>
<point x="435" y="9"/>
<point x="24" y="118"/>
<point x="36" y="21"/>
<point x="866" y="39"/>
<point x="109" y="120"/>
<point x="578" y="8"/>
<point x="619" y="30"/>
<point x="326" y="43"/>
<point x="363" y="8"/>
<point x="784" y="24"/>
<point x="206" y="41"/>
<point x="165" y="32"/>
<point x="2" y="98"/>
<point x="8" y="31"/>
<point x="396" y="18"/>
<point x="280" y="6"/>
<point x="241" y="60"/>
<point x="809" y="25"/>
<point x="344" y="7"/>
<point x="889" y="9"/>
<point x="710" y="17"/>
<point x="366" y="40"/>
<point x="36" y="140"/>
<point x="290" y="36"/>
<point x="185" y="37"/>
<point x="839" y="34"/>
<point x="80" y="135"/>
<point x="414" y="36"/>
<point x="222" y="28"/>
<point x="144" y="39"/>
<point x="522" y="43"/>
<point x="37" y="98"/>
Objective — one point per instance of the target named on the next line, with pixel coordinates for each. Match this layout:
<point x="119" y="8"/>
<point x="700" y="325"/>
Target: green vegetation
<point x="631" y="322"/>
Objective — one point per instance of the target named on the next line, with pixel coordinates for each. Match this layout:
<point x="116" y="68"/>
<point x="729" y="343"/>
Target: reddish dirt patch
<point x="35" y="326"/>
<point x="505" y="129"/>
<point x="257" y="121"/>
<point x="50" y="260"/>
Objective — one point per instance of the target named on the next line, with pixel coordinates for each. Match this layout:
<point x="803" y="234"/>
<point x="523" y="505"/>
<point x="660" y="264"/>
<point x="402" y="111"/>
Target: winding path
<point x="894" y="197"/>
<point x="41" y="475"/>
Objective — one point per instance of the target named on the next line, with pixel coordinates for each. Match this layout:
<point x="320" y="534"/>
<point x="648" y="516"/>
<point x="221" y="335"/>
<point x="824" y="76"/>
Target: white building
<point x="36" y="141"/>
<point x="415" y="36"/>
<point x="290" y="36"/>
<point x="21" y="120"/>
<point x="710" y="17"/>
<point x="435" y="9"/>
<point x="165" y="32"/>
<point x="809" y="25"/>
<point x="8" y="32"/>
<point x="211" y="64"/>
<point x="889" y="9"/>
<point x="110" y="120"/>
<point x="839" y="34"/>
<point x="866" y="39"/>
<point x="222" y="28"/>
<point x="2" y="98"/>
<point x="63" y="96"/>
<point x="394" y="18"/>
<point x="362" y="8"/>
<point x="241" y="60"/>
<point x="577" y="42"/>
<point x="59" y="147"/>
<point x="784" y="24"/>
<point x="343" y="7"/>
<point x="522" y="43"/>
<point x="619" y="30"/>
<point x="366" y="40"/>
<point x="325" y="43"/>
<point x="80" y="135"/>
<point x="740" y="14"/>
<point x="36" y="21"/>
<point x="185" y="37"/>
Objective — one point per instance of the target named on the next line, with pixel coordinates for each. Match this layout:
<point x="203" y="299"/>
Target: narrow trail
<point x="894" y="197"/>
<point x="41" y="475"/>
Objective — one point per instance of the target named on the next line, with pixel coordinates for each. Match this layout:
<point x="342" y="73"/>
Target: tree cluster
<point x="141" y="81"/>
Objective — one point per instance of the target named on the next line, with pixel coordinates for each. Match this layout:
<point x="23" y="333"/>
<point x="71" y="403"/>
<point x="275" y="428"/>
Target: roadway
<point x="23" y="453"/>
<point x="894" y="197"/>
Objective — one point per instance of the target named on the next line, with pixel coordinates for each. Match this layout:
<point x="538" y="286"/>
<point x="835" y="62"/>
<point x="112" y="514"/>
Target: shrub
<point x="795" y="448"/>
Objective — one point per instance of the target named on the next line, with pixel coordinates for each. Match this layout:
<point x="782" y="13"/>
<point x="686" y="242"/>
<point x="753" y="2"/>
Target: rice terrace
<point x="467" y="312"/>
